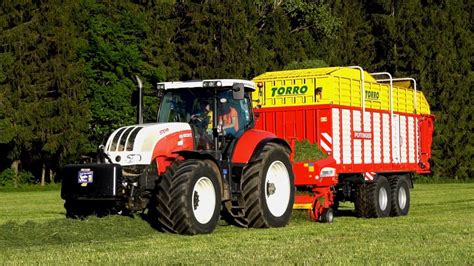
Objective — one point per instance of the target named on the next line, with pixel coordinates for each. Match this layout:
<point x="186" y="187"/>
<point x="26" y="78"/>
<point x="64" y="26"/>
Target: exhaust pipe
<point x="140" y="101"/>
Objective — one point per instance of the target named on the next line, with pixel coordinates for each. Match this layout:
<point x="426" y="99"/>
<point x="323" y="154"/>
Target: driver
<point x="203" y="123"/>
<point x="203" y="119"/>
<point x="228" y="118"/>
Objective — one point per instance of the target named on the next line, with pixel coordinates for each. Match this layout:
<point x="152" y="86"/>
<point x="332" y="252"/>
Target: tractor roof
<point x="249" y="85"/>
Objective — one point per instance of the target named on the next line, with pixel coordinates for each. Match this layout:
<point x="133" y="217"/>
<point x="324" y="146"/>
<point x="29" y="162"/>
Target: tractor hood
<point x="134" y="145"/>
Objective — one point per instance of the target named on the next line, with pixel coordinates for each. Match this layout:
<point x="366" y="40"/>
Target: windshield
<point x="180" y="105"/>
<point x="196" y="106"/>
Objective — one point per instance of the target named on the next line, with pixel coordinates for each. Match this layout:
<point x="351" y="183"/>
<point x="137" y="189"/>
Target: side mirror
<point x="160" y="90"/>
<point x="238" y="91"/>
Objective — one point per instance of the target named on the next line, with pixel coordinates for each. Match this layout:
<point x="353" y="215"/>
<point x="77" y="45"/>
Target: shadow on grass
<point x="93" y="229"/>
<point x="151" y="219"/>
<point x="303" y="215"/>
<point x="345" y="213"/>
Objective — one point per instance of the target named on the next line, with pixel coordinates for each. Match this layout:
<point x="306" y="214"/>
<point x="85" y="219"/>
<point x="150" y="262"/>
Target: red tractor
<point x="202" y="159"/>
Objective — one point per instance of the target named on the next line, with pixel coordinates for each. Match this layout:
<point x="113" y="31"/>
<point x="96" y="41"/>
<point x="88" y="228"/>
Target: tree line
<point x="67" y="67"/>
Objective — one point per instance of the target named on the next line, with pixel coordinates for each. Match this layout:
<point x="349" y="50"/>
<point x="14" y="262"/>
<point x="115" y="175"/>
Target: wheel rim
<point x="402" y="198"/>
<point x="383" y="198"/>
<point x="203" y="200"/>
<point x="277" y="188"/>
<point x="330" y="216"/>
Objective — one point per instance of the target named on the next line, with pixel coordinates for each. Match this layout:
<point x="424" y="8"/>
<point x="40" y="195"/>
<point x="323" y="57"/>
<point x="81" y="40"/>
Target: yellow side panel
<point x="334" y="85"/>
<point x="422" y="103"/>
<point x="287" y="92"/>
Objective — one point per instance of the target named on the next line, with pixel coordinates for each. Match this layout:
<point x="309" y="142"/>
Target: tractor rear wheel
<point x="189" y="198"/>
<point x="267" y="187"/>
<point x="400" y="196"/>
<point x="373" y="200"/>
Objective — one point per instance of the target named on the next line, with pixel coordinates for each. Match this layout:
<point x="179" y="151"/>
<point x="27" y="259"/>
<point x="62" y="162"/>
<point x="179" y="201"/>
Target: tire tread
<point x="250" y="185"/>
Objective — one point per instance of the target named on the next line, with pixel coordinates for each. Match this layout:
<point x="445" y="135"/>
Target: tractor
<point x="201" y="160"/>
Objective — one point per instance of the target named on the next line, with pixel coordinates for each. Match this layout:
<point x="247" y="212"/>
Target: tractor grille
<point x="124" y="139"/>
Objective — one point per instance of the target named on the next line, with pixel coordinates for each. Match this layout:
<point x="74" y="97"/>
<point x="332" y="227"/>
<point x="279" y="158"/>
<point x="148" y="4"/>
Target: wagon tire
<point x="361" y="201"/>
<point x="335" y="207"/>
<point x="373" y="200"/>
<point x="327" y="216"/>
<point x="400" y="196"/>
<point x="267" y="186"/>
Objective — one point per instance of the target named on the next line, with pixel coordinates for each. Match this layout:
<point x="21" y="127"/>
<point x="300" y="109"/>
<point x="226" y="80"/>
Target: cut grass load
<point x="306" y="151"/>
<point x="438" y="230"/>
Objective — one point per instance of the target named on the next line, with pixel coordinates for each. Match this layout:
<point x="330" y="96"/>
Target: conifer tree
<point x="353" y="42"/>
<point x="446" y="73"/>
<point x="431" y="41"/>
<point x="43" y="113"/>
<point x="218" y="39"/>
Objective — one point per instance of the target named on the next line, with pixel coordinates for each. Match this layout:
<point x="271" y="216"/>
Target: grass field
<point x="438" y="230"/>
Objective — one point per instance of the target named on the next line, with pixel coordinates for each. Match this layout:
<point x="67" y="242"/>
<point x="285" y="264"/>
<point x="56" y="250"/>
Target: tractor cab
<point x="218" y="111"/>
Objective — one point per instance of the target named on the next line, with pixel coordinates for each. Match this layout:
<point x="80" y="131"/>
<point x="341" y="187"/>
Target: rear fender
<point x="167" y="148"/>
<point x="251" y="141"/>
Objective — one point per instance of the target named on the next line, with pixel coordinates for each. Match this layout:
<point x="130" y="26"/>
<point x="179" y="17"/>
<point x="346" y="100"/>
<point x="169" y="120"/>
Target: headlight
<point x="327" y="171"/>
<point x="212" y="83"/>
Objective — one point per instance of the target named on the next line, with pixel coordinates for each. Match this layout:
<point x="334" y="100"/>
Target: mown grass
<point x="31" y="187"/>
<point x="438" y="230"/>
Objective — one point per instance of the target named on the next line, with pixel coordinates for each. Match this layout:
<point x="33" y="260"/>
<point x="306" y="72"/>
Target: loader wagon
<point x="375" y="130"/>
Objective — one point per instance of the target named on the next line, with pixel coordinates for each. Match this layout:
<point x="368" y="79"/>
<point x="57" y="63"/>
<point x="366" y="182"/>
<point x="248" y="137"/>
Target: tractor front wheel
<point x="189" y="198"/>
